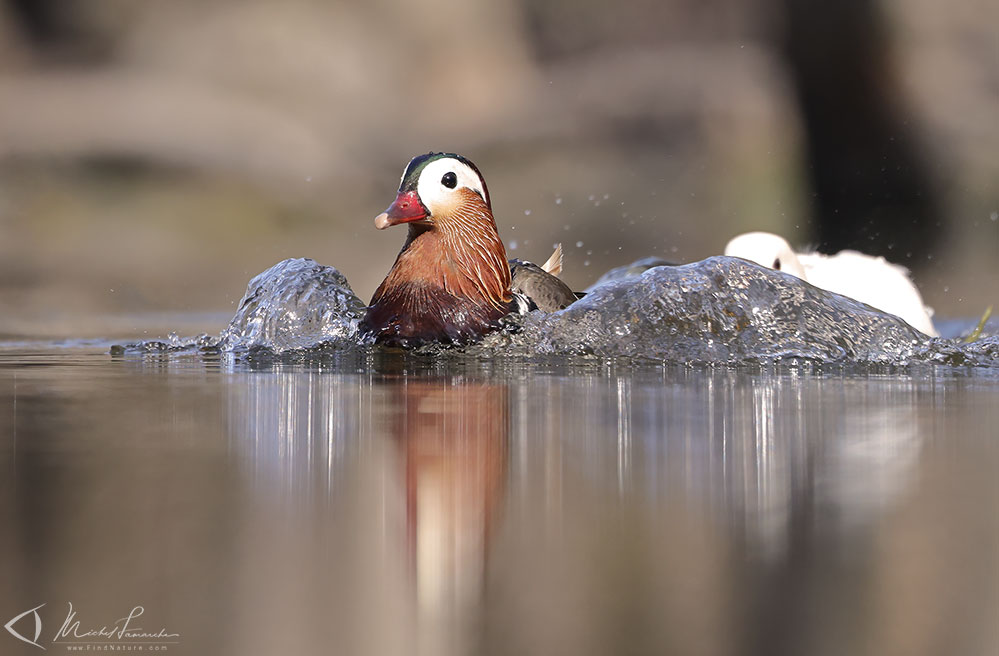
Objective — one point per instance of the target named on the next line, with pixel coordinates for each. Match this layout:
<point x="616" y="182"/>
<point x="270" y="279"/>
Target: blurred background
<point x="155" y="156"/>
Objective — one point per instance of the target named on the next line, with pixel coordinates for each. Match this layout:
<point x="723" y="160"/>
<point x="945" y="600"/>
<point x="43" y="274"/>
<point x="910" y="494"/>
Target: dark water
<point x="392" y="505"/>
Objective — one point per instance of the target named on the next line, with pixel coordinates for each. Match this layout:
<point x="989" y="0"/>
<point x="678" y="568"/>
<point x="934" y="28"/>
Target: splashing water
<point x="718" y="311"/>
<point x="295" y="304"/>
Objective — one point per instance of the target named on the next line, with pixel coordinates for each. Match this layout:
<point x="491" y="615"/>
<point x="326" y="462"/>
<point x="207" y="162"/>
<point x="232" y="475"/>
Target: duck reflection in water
<point x="452" y="440"/>
<point x="387" y="489"/>
<point x="442" y="441"/>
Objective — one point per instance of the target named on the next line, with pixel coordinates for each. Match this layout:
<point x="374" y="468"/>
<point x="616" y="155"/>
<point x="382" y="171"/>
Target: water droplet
<point x="579" y="244"/>
<point x="558" y="200"/>
<point x="586" y="263"/>
<point x="513" y="244"/>
<point x="606" y="196"/>
<point x="994" y="216"/>
<point x="591" y="198"/>
<point x="308" y="178"/>
<point x="589" y="252"/>
<point x="527" y="212"/>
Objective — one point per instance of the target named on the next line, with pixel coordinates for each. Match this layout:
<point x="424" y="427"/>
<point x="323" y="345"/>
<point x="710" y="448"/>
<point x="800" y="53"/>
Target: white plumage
<point x="866" y="278"/>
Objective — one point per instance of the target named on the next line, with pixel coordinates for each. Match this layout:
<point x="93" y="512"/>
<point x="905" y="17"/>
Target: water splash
<point x="296" y="304"/>
<point x="636" y="268"/>
<point x="719" y="311"/>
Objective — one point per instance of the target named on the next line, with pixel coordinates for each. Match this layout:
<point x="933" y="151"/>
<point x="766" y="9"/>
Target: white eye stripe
<point x="431" y="189"/>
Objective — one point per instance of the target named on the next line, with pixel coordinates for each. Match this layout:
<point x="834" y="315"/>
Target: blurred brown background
<point x="156" y="155"/>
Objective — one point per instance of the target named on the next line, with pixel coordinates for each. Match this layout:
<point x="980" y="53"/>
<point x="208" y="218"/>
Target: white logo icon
<point x="38" y="627"/>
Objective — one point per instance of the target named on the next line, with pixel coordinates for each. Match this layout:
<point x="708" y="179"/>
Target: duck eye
<point x="450" y="180"/>
<point x="776" y="264"/>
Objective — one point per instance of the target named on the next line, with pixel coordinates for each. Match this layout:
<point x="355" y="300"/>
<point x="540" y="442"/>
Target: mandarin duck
<point x="540" y="285"/>
<point x="451" y="282"/>
<point x="866" y="278"/>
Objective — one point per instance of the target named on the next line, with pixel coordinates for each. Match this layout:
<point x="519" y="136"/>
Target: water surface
<point x="381" y="504"/>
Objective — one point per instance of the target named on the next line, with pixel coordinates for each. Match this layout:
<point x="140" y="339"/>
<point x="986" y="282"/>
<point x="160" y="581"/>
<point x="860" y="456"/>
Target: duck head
<point x="451" y="281"/>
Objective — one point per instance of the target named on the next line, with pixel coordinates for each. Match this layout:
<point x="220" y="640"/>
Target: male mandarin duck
<point x="452" y="283"/>
<point x="868" y="279"/>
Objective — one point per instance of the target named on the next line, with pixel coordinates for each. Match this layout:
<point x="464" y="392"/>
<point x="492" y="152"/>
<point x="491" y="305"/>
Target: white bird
<point x="866" y="278"/>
